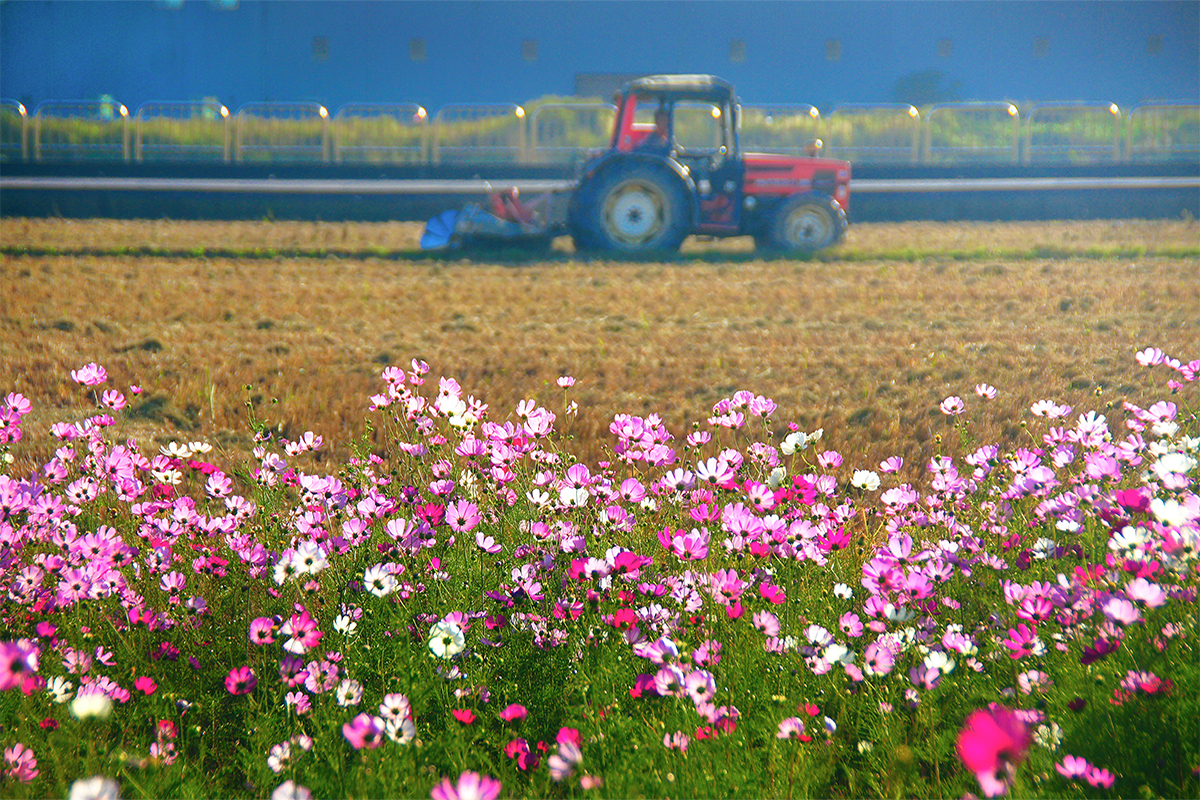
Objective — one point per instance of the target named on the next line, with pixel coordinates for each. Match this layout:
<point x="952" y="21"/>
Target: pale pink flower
<point x="470" y="786"/>
<point x="953" y="405"/>
<point x="986" y="391"/>
<point x="1073" y="767"/>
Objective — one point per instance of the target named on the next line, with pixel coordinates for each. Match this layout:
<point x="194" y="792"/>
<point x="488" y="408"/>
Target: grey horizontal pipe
<point x="475" y="186"/>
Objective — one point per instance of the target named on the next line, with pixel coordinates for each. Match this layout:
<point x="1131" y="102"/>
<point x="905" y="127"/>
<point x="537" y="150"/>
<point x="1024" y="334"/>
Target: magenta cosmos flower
<point x="514" y="713"/>
<point x="241" y="680"/>
<point x="364" y="730"/>
<point x="991" y="744"/>
<point x="471" y="786"/>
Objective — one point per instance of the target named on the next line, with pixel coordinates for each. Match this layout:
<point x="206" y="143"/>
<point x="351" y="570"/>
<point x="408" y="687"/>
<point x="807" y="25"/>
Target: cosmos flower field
<point x="470" y="611"/>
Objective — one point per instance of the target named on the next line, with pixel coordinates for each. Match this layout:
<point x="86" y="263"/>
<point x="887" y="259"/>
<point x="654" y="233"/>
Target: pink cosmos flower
<point x="1073" y="767"/>
<point x="262" y="630"/>
<point x="471" y="786"/>
<point x="1020" y="640"/>
<point x="700" y="686"/>
<point x="240" y="680"/>
<point x="878" y="659"/>
<point x="991" y="744"/>
<point x="1150" y="357"/>
<point x="16" y="663"/>
<point x="772" y="593"/>
<point x="850" y="624"/>
<point x="891" y="465"/>
<point x="830" y="459"/>
<point x="462" y="516"/>
<point x="953" y="405"/>
<point x="89" y="375"/>
<point x="566" y="380"/>
<point x="145" y="685"/>
<point x="364" y="730"/>
<point x="302" y="629"/>
<point x="766" y="622"/>
<point x="487" y="544"/>
<point x="21" y="763"/>
<point x="113" y="399"/>
<point x="1100" y="778"/>
<point x="986" y="391"/>
<point x="790" y="728"/>
<point x="1121" y="611"/>
<point x="1049" y="409"/>
<point x="463" y="715"/>
<point x="514" y="713"/>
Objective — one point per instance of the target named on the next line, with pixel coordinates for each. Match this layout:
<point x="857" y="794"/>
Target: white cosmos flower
<point x="345" y="625"/>
<point x="96" y="787"/>
<point x="573" y="497"/>
<point x="936" y="659"/>
<point x="865" y="479"/>
<point x="349" y="693"/>
<point x="176" y="450"/>
<point x="91" y="703"/>
<point x="400" y="731"/>
<point x="838" y="653"/>
<point x="379" y="581"/>
<point x="797" y="440"/>
<point x="1048" y="736"/>
<point x="59" y="689"/>
<point x="1170" y="512"/>
<point x="843" y="591"/>
<point x="171" y="476"/>
<point x="538" y="497"/>
<point x="775" y="479"/>
<point x="1174" y="464"/>
<point x="446" y="640"/>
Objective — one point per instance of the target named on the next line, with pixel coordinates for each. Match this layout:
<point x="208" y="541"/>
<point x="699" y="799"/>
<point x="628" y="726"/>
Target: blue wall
<point x="137" y="50"/>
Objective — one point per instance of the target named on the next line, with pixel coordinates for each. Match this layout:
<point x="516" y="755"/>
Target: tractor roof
<point x="682" y="87"/>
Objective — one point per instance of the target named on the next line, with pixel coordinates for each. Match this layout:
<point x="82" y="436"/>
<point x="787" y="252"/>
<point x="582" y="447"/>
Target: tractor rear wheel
<point x="631" y="208"/>
<point x="804" y="224"/>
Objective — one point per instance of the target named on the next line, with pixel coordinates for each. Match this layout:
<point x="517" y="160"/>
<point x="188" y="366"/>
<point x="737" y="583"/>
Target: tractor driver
<point x="658" y="141"/>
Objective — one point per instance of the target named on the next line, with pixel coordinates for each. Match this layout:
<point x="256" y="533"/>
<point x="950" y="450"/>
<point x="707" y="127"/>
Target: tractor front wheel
<point x="633" y="208"/>
<point x="804" y="224"/>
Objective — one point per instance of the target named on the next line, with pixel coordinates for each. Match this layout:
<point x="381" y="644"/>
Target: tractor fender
<point x="597" y="169"/>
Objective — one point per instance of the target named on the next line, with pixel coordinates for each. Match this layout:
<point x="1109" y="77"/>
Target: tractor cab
<point x="700" y="114"/>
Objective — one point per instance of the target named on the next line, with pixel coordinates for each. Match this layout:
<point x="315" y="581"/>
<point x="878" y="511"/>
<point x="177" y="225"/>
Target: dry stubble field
<point x="864" y="341"/>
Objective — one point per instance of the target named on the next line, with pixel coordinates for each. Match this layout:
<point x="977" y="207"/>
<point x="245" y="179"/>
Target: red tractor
<point x="682" y="173"/>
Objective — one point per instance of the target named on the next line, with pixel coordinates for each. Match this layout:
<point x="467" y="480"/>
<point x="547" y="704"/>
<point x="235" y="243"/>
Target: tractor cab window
<point x="699" y="128"/>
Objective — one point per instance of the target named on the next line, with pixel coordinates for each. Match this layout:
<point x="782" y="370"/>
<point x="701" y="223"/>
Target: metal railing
<point x="972" y="132"/>
<point x="1163" y="131"/>
<point x="288" y="132"/>
<point x="14" y="131"/>
<point x="565" y="132"/>
<point x="786" y="129"/>
<point x="1073" y="133"/>
<point x="172" y="131"/>
<point x="380" y="133"/>
<point x="884" y="133"/>
<point x="474" y="133"/>
<point x="80" y="129"/>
